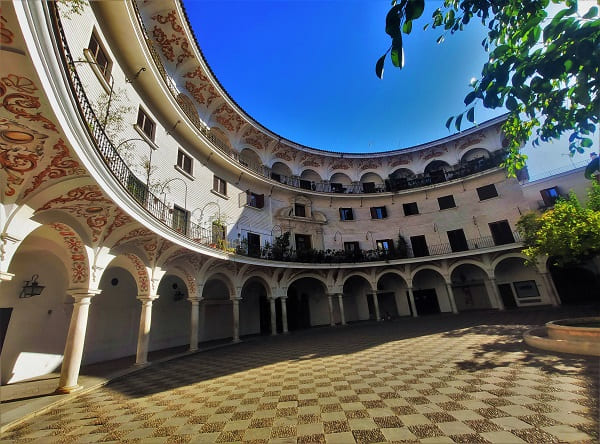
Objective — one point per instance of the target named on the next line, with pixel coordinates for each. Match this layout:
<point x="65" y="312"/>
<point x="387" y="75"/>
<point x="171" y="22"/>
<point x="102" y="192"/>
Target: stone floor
<point x="446" y="378"/>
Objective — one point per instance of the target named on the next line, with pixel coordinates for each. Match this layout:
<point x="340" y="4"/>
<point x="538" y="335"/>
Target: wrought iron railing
<point x="160" y="211"/>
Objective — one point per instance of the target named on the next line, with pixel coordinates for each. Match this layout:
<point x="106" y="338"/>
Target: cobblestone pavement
<point x="447" y="378"/>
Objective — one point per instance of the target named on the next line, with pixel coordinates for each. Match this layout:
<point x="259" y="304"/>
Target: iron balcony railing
<point x="180" y="223"/>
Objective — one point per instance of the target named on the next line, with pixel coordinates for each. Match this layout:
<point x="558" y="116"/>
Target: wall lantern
<point x="32" y="288"/>
<point x="178" y="295"/>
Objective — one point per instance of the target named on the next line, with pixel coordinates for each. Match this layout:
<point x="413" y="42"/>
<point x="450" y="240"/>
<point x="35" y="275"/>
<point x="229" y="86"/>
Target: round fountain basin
<point x="575" y="329"/>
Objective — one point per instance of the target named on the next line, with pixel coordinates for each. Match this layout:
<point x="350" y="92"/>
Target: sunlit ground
<point x="446" y="378"/>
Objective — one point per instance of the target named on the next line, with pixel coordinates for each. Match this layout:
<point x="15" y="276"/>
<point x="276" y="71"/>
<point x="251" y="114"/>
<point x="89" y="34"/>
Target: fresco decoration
<point x="136" y="233"/>
<point x="21" y="150"/>
<point x="340" y="164"/>
<point x="79" y="263"/>
<point x="61" y="165"/>
<point x="255" y="138"/>
<point x="403" y="159"/>
<point x="284" y="152"/>
<point x="6" y="35"/>
<point x="369" y="164"/>
<point x="310" y="160"/>
<point x="430" y="153"/>
<point x="176" y="41"/>
<point x="203" y="91"/>
<point x="190" y="282"/>
<point x="468" y="141"/>
<point x="88" y="203"/>
<point x="19" y="102"/>
<point x="228" y="118"/>
<point x="141" y="273"/>
<point x="120" y="219"/>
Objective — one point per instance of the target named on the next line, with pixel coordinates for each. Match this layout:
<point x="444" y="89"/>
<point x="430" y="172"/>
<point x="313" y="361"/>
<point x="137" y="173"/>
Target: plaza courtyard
<point x="444" y="378"/>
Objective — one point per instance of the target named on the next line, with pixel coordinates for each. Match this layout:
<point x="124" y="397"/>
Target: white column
<point x="141" y="357"/>
<point x="4" y="276"/>
<point x="284" y="315"/>
<point x="235" y="302"/>
<point x="376" y="305"/>
<point x="194" y="323"/>
<point x="451" y="297"/>
<point x="548" y="284"/>
<point x="330" y="302"/>
<point x="71" y="364"/>
<point x="494" y="288"/>
<point x="411" y="299"/>
<point x="341" y="303"/>
<point x="273" y="316"/>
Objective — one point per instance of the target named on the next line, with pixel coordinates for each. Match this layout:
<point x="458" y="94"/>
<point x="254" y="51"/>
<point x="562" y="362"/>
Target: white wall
<point x="170" y="318"/>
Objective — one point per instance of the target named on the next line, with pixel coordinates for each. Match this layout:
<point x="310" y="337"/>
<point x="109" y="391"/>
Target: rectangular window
<point x="410" y="208"/>
<point x="351" y="247"/>
<point x="146" y="124"/>
<point x="501" y="232"/>
<point x="184" y="162"/>
<point x="487" y="192"/>
<point x="457" y="239"/>
<point x="104" y="64"/>
<point x="385" y="245"/>
<point x="527" y="292"/>
<point x="419" y="246"/>
<point x="303" y="242"/>
<point x="550" y="195"/>
<point x="378" y="213"/>
<point x="253" y="244"/>
<point x="180" y="219"/>
<point x="346" y="214"/>
<point x="255" y="200"/>
<point x="219" y="186"/>
<point x="446" y="202"/>
<point x="299" y="210"/>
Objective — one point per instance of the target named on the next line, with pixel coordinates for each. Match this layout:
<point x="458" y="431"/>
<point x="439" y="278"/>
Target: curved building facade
<point x="156" y="213"/>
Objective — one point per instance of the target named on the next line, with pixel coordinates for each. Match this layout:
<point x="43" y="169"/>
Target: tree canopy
<point x="569" y="232"/>
<point x="542" y="67"/>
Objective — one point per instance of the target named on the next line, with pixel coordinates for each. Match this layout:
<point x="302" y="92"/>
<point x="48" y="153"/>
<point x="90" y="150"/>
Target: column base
<point x="141" y="364"/>
<point x="193" y="349"/>
<point x="235" y="341"/>
<point x="67" y="390"/>
<point x="5" y="276"/>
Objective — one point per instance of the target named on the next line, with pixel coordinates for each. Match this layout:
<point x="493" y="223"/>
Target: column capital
<point x="5" y="276"/>
<point x="81" y="293"/>
<point x="147" y="297"/>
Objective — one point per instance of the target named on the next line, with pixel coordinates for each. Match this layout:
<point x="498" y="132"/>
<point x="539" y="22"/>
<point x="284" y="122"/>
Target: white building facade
<point x="155" y="211"/>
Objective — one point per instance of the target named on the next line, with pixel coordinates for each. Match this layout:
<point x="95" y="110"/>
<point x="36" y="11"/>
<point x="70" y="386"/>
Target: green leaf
<point x="458" y="122"/>
<point x="407" y="27"/>
<point x="593" y="12"/>
<point x="449" y="122"/>
<point x="471" y="115"/>
<point x="414" y="9"/>
<point x="587" y="142"/>
<point x="397" y="52"/>
<point x="392" y="21"/>
<point x="379" y="66"/>
<point x="470" y="97"/>
<point x="440" y="39"/>
<point x="511" y="103"/>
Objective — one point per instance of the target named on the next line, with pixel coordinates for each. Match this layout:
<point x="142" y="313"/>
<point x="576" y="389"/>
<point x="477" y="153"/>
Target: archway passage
<point x="255" y="308"/>
<point x="393" y="296"/>
<point x="218" y="315"/>
<point x="306" y="304"/>
<point x="468" y="285"/>
<point x="575" y="284"/>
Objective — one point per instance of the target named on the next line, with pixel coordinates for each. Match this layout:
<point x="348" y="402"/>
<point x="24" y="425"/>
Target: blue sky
<point x="306" y="70"/>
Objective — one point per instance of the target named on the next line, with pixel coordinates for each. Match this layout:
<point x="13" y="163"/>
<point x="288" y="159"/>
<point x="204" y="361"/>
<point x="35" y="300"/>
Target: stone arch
<point x="79" y="267"/>
<point x="471" y="286"/>
<point x="281" y="168"/>
<point x="391" y="271"/>
<point x="402" y="173"/>
<point x="392" y="292"/>
<point x="256" y="306"/>
<point x="474" y="154"/>
<point x="308" y="275"/>
<point x="430" y="291"/>
<point x="136" y="267"/>
<point x="371" y="182"/>
<point x="362" y="274"/>
<point x="342" y="178"/>
<point x="262" y="278"/>
<point x="187" y="278"/>
<point x="432" y="267"/>
<point x="220" y="276"/>
<point x="474" y="262"/>
<point x="221" y="135"/>
<point x="436" y="165"/>
<point x="502" y="257"/>
<point x="249" y="157"/>
<point x="311" y="175"/>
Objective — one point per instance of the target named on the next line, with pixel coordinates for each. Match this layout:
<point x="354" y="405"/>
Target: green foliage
<point x="543" y="69"/>
<point x="569" y="232"/>
<point x="281" y="246"/>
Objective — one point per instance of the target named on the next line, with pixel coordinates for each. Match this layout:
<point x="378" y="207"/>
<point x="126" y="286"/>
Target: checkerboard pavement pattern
<point x="466" y="378"/>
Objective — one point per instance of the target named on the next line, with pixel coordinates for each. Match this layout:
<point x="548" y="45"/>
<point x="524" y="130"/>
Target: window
<point x="457" y="239"/>
<point x="527" y="292"/>
<point x="419" y="246"/>
<point x="255" y="200"/>
<point x="410" y="208"/>
<point x="385" y="245"/>
<point x="550" y="195"/>
<point x="446" y="202"/>
<point x="378" y="213"/>
<point x="219" y="186"/>
<point x="501" y="232"/>
<point x="180" y="219"/>
<point x="346" y="214"/>
<point x="146" y="124"/>
<point x="303" y="242"/>
<point x="299" y="210"/>
<point x="99" y="55"/>
<point x="487" y="192"/>
<point x="184" y="162"/>
<point x="351" y="247"/>
<point x="253" y="245"/>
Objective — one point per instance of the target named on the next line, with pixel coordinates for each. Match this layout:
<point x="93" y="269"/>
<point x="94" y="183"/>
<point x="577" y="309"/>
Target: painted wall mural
<point x="79" y="263"/>
<point x="141" y="274"/>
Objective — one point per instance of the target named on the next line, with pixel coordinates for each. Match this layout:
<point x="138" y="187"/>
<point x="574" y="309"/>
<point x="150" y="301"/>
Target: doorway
<point x="507" y="295"/>
<point x="426" y="301"/>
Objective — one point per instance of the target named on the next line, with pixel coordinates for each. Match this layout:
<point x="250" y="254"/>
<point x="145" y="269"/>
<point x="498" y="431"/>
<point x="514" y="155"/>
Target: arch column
<point x="330" y="304"/>
<point x="69" y="372"/>
<point x="376" y="305"/>
<point x="5" y="276"/>
<point x="550" y="289"/>
<point x="451" y="297"/>
<point x="491" y="282"/>
<point x="341" y="304"/>
<point x="284" y="315"/>
<point x="273" y="312"/>
<point x="194" y="322"/>
<point x="235" y="304"/>
<point x="141" y="357"/>
<point x="411" y="300"/>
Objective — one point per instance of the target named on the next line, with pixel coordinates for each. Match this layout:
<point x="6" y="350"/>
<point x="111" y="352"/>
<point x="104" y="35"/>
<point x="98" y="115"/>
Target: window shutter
<point x="260" y="200"/>
<point x="342" y="214"/>
<point x="215" y="183"/>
